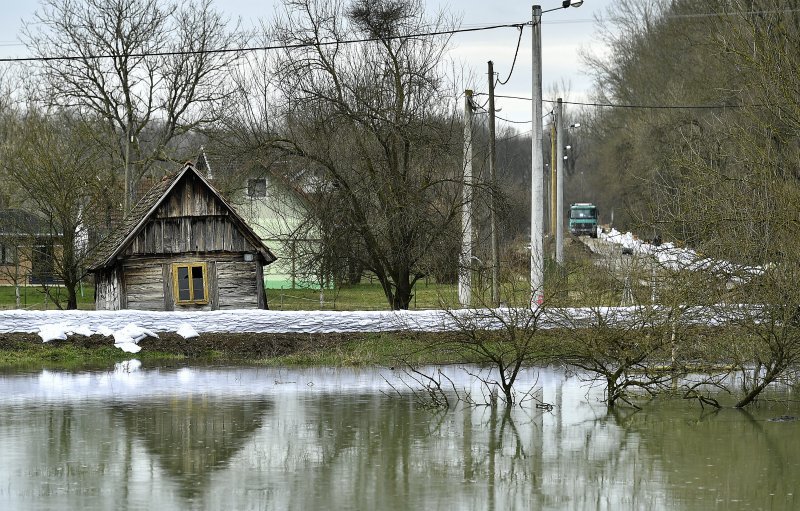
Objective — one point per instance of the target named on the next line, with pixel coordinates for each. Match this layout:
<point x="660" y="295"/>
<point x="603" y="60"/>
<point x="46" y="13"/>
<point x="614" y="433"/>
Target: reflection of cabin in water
<point x="193" y="439"/>
<point x="181" y="247"/>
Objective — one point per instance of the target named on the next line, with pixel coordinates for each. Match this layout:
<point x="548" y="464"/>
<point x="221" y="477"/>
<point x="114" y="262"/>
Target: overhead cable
<point x="261" y="48"/>
<point x="513" y="63"/>
<point x="620" y="105"/>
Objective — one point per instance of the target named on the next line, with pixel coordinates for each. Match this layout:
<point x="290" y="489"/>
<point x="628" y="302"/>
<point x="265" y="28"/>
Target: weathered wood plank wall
<point x="144" y="287"/>
<point x="107" y="290"/>
<point x="237" y="285"/>
<point x="189" y="234"/>
<point x="191" y="219"/>
<point x="232" y="283"/>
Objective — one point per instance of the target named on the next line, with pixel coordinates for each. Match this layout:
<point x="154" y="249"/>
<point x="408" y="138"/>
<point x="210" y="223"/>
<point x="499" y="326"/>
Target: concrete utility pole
<point x="560" y="182"/>
<point x="553" y="178"/>
<point x="126" y="200"/>
<point x="493" y="195"/>
<point x="537" y="165"/>
<point x="465" y="259"/>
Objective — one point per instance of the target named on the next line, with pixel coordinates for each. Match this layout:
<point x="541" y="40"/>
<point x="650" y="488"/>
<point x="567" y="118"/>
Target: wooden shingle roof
<point x="110" y="247"/>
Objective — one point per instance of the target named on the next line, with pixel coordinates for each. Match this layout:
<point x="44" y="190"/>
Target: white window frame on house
<point x="194" y="289"/>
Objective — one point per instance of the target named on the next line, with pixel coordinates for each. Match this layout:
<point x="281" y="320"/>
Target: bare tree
<point x="501" y="343"/>
<point x="621" y="349"/>
<point x="7" y="121"/>
<point x="57" y="171"/>
<point x="143" y="67"/>
<point x="726" y="182"/>
<point x="663" y="55"/>
<point x="372" y="120"/>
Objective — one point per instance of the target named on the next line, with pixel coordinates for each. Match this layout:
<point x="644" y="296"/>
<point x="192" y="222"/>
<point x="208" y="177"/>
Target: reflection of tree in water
<point x="370" y="440"/>
<point x="391" y="450"/>
<point x="707" y="462"/>
<point x="579" y="459"/>
<point x="191" y="437"/>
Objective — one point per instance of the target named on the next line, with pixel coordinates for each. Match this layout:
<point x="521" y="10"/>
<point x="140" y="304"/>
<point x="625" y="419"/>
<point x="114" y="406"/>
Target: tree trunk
<point x="751" y="396"/>
<point x="72" y="296"/>
<point x="354" y="271"/>
<point x="613" y="392"/>
<point x="402" y="295"/>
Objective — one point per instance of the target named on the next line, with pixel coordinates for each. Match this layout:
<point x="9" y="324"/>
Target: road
<point x="626" y="266"/>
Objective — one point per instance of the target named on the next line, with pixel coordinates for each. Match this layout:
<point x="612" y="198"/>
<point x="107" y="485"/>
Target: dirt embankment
<point x="243" y="346"/>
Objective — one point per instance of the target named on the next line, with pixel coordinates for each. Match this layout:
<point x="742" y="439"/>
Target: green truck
<point x="583" y="219"/>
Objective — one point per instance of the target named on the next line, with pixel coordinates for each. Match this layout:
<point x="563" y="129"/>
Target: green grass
<point x="381" y="349"/>
<point x="397" y="349"/>
<point x="374" y="349"/>
<point x="70" y="357"/>
<point x="22" y="352"/>
<point x="364" y="296"/>
<point x="368" y="295"/>
<point x="33" y="297"/>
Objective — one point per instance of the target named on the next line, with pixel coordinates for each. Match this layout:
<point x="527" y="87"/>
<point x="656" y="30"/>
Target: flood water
<point x="278" y="439"/>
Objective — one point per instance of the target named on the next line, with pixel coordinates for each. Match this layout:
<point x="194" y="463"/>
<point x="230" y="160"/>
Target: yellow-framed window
<point x="190" y="282"/>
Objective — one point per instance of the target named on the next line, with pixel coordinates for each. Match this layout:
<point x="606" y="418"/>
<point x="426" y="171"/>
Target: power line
<point x="524" y="133"/>
<point x="618" y="105"/>
<point x="513" y="63"/>
<point x="505" y="97"/>
<point x="509" y="120"/>
<point x="266" y="48"/>
<point x="654" y="107"/>
<point x="731" y="13"/>
<point x="352" y="41"/>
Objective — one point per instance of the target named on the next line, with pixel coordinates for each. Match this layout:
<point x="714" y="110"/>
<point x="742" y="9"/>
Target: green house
<point x="268" y="197"/>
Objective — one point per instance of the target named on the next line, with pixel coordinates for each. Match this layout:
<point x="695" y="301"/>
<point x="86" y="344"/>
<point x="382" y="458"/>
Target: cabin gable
<point x="189" y="219"/>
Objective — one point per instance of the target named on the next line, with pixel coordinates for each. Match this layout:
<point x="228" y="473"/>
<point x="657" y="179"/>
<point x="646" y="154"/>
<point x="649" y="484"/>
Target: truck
<point x="583" y="218"/>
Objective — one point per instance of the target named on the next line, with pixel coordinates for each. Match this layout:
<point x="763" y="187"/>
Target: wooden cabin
<point x="182" y="247"/>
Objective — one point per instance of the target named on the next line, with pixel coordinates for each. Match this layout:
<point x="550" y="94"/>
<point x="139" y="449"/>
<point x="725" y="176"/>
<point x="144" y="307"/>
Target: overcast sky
<point x="564" y="32"/>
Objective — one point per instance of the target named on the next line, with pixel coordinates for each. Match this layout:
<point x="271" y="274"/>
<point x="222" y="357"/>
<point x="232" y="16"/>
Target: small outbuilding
<point x="181" y="247"/>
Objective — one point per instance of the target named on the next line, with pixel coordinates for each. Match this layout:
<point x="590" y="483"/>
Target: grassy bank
<point x="21" y="352"/>
<point x="700" y="347"/>
<point x="26" y="351"/>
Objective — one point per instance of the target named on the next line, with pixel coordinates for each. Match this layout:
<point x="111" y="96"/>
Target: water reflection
<point x="242" y="438"/>
<point x="190" y="437"/>
<point x="731" y="459"/>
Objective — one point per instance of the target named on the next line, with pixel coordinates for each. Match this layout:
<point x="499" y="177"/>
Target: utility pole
<point x="465" y="261"/>
<point x="126" y="202"/>
<point x="537" y="165"/>
<point x="493" y="195"/>
<point x="553" y="175"/>
<point x="560" y="182"/>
